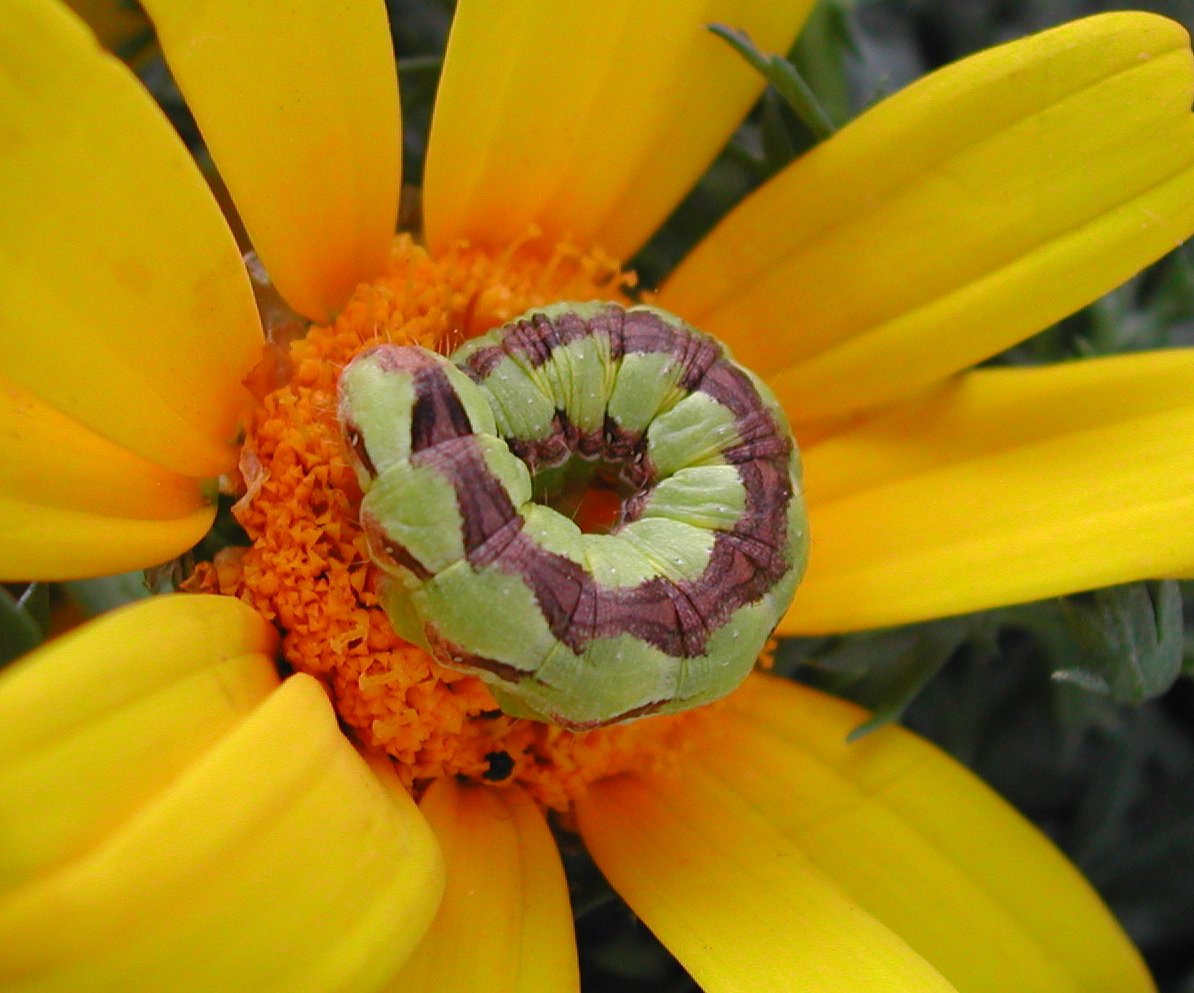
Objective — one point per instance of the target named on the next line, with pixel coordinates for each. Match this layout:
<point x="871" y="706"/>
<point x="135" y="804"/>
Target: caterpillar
<point x="462" y="462"/>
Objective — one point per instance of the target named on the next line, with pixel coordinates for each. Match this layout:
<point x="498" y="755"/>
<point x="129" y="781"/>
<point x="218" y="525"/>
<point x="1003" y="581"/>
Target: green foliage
<point x="1125" y="642"/>
<point x="882" y="670"/>
<point x="784" y="77"/>
<point x="97" y="596"/>
<point x="420" y="31"/>
<point x="24" y="620"/>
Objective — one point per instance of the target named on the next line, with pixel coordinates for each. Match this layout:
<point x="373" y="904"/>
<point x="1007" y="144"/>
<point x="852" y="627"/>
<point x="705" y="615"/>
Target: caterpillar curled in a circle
<point x="459" y="460"/>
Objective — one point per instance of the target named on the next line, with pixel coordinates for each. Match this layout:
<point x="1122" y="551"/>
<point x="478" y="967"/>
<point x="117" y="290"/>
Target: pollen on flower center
<point x="308" y="570"/>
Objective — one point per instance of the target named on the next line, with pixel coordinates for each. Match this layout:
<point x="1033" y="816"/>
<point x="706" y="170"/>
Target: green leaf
<point x="97" y="596"/>
<point x="1125" y="642"/>
<point x="421" y="63"/>
<point x="784" y="76"/>
<point x="820" y="54"/>
<point x="779" y="148"/>
<point x="21" y="627"/>
<point x="884" y="671"/>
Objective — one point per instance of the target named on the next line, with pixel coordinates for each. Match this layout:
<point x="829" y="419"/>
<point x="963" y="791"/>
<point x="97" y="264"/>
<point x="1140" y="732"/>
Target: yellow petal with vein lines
<point x="94" y="724"/>
<point x="958" y="217"/>
<point x="589" y="120"/>
<point x="56" y="471"/>
<point x="505" y="924"/>
<point x="125" y="302"/>
<point x="736" y="902"/>
<point x="1005" y="486"/>
<point x="278" y="860"/>
<point x="298" y="105"/>
<point x="920" y="843"/>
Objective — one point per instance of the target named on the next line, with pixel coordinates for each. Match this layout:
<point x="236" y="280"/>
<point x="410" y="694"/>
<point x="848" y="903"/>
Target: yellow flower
<point x="173" y="820"/>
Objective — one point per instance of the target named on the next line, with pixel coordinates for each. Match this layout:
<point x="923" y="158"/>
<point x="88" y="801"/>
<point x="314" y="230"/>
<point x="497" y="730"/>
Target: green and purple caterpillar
<point x="460" y="460"/>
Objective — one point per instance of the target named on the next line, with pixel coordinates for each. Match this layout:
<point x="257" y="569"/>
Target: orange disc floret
<point x="307" y="568"/>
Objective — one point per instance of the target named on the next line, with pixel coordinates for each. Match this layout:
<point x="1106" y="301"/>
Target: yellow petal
<point x="298" y="105"/>
<point x="125" y="302"/>
<point x="53" y="460"/>
<point x="278" y="860"/>
<point x="1005" y="486"/>
<point x="589" y="121"/>
<point x="958" y="217"/>
<point x="920" y="843"/>
<point x="505" y="925"/>
<point x="734" y="900"/>
<point x="98" y="721"/>
<point x="67" y="495"/>
<point x="40" y="542"/>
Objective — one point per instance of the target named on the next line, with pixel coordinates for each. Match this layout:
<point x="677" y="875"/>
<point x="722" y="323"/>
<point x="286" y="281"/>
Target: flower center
<point x="308" y="570"/>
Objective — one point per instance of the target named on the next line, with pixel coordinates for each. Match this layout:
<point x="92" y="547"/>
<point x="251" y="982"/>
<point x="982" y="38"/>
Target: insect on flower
<point x="669" y="609"/>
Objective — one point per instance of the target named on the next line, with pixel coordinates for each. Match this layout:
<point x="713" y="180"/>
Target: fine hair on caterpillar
<point x="458" y="459"/>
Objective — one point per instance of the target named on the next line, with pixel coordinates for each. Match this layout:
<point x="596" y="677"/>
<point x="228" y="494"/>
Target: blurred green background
<point x="1075" y="709"/>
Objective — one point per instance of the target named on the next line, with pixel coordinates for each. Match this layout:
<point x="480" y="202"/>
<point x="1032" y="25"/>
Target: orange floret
<point x="307" y="569"/>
